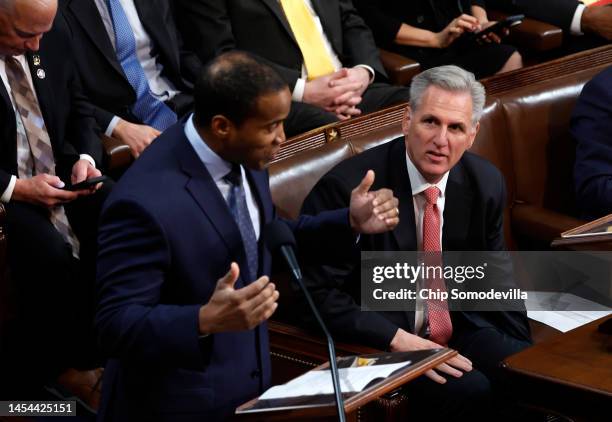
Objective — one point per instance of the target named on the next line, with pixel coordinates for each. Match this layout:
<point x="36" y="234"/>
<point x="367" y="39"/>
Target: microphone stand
<point x="297" y="275"/>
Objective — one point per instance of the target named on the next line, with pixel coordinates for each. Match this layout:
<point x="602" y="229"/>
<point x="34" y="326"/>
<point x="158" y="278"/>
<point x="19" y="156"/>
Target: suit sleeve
<point x="359" y="46"/>
<point x="380" y="18"/>
<point x="555" y="12"/>
<point x="131" y="322"/>
<point x="329" y="284"/>
<point x="591" y="126"/>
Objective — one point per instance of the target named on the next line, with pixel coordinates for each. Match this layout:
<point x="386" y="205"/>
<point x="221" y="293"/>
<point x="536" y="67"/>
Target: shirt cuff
<point x="298" y="90"/>
<point x="88" y="158"/>
<point x="112" y="125"/>
<point x="8" y="192"/>
<point x="369" y="69"/>
<point x="576" y="26"/>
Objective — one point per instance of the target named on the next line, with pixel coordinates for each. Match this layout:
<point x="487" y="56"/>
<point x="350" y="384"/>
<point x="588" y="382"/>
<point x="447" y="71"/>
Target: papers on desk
<point x="539" y="305"/>
<point x="315" y="383"/>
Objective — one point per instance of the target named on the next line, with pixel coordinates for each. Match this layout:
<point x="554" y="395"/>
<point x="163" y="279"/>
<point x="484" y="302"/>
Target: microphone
<point x="279" y="237"/>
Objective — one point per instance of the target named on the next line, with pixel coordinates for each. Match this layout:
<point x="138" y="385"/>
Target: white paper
<point x="558" y="318"/>
<point x="315" y="383"/>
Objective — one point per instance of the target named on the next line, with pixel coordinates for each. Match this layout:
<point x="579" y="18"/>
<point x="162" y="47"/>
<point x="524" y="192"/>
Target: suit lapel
<point x="277" y="10"/>
<point x="326" y="10"/>
<point x="457" y="210"/>
<point x="149" y="15"/>
<point x="40" y="80"/>
<point x="260" y="189"/>
<point x="204" y="191"/>
<point x="88" y="16"/>
<point x="405" y="232"/>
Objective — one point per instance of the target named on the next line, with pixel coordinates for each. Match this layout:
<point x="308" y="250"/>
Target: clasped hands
<point x="339" y="92"/>
<point x="231" y="309"/>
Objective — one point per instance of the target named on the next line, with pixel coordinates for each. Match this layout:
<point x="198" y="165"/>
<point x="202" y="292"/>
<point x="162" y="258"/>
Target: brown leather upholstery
<point x="531" y="34"/>
<point x="400" y="69"/>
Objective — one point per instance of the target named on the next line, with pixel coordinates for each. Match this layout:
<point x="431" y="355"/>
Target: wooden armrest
<point x="532" y="34"/>
<point x="118" y="156"/>
<point x="541" y="224"/>
<point x="401" y="69"/>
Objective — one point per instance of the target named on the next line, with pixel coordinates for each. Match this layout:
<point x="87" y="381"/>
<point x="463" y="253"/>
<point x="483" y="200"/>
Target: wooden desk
<point x="568" y="374"/>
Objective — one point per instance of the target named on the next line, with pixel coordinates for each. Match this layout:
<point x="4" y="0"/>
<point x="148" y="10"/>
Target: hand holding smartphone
<point x="497" y="28"/>
<point x="85" y="184"/>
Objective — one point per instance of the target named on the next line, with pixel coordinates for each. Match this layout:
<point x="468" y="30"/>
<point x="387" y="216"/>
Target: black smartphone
<point x="86" y="184"/>
<point x="498" y="27"/>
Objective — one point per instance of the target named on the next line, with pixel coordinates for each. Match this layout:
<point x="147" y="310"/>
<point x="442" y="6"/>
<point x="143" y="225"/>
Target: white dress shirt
<point x="8" y="192"/>
<point x="218" y="169"/>
<point x="576" y="25"/>
<point x="298" y="89"/>
<point x="161" y="87"/>
<point x="418" y="185"/>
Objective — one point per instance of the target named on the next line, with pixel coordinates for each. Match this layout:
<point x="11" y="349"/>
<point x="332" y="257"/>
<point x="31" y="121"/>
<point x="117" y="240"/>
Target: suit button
<point x="255" y="374"/>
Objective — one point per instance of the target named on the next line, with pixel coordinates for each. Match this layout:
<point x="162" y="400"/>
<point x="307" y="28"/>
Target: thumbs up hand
<point x="372" y="211"/>
<point x="231" y="309"/>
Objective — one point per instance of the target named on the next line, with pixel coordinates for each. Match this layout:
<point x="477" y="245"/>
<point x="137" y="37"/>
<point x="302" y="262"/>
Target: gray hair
<point x="449" y="78"/>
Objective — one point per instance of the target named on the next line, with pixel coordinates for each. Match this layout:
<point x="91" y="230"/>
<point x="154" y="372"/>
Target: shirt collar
<point x="418" y="183"/>
<point x="216" y="166"/>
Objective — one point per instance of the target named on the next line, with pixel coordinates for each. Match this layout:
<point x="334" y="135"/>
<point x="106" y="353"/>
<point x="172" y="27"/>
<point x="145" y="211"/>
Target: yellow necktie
<point x="316" y="59"/>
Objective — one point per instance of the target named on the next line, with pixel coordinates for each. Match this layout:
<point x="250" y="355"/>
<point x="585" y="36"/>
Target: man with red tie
<point x="48" y="138"/>
<point x="449" y="200"/>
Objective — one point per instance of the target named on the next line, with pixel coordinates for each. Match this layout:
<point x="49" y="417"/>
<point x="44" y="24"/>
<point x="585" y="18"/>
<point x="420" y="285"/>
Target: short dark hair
<point x="230" y="85"/>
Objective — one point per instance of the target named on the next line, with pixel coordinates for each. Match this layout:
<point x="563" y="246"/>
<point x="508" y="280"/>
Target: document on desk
<point x="319" y="382"/>
<point x="539" y="307"/>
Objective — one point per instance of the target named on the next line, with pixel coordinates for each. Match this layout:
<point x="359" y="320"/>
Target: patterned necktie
<point x="238" y="207"/>
<point x="309" y="39"/>
<point x="147" y="108"/>
<point x="440" y="325"/>
<point x="39" y="142"/>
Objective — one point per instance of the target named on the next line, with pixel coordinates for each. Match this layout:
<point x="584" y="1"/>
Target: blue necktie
<point x="238" y="207"/>
<point x="147" y="108"/>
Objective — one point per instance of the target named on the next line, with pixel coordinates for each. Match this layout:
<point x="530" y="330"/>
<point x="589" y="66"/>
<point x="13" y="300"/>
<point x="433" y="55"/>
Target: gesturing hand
<point x="455" y="367"/>
<point x="235" y="310"/>
<point x="372" y="212"/>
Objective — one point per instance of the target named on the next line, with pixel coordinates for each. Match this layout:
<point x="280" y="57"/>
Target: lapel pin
<point x="41" y="74"/>
<point x="36" y="60"/>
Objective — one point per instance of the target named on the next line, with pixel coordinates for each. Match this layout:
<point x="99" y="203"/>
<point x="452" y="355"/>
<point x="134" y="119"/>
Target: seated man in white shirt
<point x="132" y="66"/>
<point x="322" y="48"/>
<point x="48" y="138"/>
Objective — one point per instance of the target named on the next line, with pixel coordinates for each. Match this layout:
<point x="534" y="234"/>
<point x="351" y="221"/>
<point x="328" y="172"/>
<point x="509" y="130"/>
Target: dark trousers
<point x="304" y="117"/>
<point x="479" y="395"/>
<point x="53" y="294"/>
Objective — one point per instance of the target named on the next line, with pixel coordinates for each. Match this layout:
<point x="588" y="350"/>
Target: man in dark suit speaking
<point x="183" y="274"/>
<point x="450" y="200"/>
<point x="322" y="48"/>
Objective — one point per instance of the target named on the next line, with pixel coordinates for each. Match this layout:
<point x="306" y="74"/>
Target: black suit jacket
<point x="385" y="17"/>
<point x="211" y="27"/>
<point x="67" y="114"/>
<point x="473" y="220"/>
<point x="103" y="78"/>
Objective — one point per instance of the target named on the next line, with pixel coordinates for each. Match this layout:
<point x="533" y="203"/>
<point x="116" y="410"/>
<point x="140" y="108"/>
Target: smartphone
<point x="85" y="184"/>
<point x="498" y="27"/>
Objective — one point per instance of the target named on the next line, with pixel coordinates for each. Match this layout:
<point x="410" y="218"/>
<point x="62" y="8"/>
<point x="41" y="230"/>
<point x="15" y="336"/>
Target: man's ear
<point x="221" y="126"/>
<point x="406" y="120"/>
<point x="473" y="134"/>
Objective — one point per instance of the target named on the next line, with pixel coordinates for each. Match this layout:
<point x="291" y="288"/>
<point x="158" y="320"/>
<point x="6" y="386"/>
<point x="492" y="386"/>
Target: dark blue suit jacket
<point x="591" y="126"/>
<point x="166" y="237"/>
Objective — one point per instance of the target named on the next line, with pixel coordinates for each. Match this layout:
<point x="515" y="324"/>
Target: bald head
<point x="23" y="23"/>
